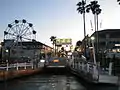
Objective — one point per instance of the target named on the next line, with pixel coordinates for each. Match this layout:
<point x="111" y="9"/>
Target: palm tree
<point x="53" y="40"/>
<point x="118" y="1"/>
<point x="82" y="10"/>
<point x="78" y="43"/>
<point x="95" y="8"/>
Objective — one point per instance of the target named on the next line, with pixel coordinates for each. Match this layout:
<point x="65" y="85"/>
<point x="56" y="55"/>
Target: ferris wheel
<point x="19" y="31"/>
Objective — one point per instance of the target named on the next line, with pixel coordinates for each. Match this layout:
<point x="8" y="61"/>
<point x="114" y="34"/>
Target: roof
<point x="113" y="33"/>
<point x="31" y="43"/>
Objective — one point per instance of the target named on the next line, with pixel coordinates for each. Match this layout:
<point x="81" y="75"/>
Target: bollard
<point x="110" y="68"/>
<point x="7" y="67"/>
<point x="118" y="82"/>
<point x="32" y="65"/>
<point x="25" y="66"/>
<point x="95" y="73"/>
<point x="17" y="66"/>
<point x="82" y="65"/>
<point x="88" y="67"/>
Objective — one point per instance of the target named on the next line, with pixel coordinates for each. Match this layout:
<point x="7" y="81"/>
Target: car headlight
<point x="42" y="61"/>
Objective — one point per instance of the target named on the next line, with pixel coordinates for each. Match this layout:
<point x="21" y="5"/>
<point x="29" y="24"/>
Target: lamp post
<point x="94" y="57"/>
<point x="7" y="54"/>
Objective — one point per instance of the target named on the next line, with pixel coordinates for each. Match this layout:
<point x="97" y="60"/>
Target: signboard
<point x="63" y="41"/>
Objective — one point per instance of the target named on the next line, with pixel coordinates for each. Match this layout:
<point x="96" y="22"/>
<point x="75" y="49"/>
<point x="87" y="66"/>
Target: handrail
<point x="8" y="66"/>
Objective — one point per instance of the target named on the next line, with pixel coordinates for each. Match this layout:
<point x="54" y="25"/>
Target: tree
<point x="118" y="1"/>
<point x="79" y="43"/>
<point x="53" y="40"/>
<point x="95" y="8"/>
<point x="82" y="10"/>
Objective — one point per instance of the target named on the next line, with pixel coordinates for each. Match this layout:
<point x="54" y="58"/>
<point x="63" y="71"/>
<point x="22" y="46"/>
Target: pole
<point x="97" y="38"/>
<point x="84" y="34"/>
<point x="94" y="57"/>
<point x="55" y="47"/>
<point x="95" y="35"/>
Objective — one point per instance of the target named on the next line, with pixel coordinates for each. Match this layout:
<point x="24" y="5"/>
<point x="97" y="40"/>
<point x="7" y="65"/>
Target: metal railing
<point x="89" y="67"/>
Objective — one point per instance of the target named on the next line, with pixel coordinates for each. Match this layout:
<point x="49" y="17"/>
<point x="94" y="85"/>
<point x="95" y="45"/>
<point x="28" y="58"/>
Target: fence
<point x="16" y="66"/>
<point x="90" y="68"/>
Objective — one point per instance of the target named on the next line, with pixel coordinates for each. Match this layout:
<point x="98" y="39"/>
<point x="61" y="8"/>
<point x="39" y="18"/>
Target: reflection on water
<point x="102" y="87"/>
<point x="51" y="82"/>
<point x="44" y="82"/>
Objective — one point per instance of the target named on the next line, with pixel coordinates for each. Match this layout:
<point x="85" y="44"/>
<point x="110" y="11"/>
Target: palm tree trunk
<point x="97" y="34"/>
<point x="55" y="48"/>
<point x="84" y="33"/>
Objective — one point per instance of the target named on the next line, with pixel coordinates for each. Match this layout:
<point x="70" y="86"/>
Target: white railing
<point x="16" y="66"/>
<point x="87" y="67"/>
<point x="91" y="68"/>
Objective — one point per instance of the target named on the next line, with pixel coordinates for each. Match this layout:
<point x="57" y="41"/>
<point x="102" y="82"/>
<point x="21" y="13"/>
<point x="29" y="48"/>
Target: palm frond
<point x="79" y="9"/>
<point x="79" y="3"/>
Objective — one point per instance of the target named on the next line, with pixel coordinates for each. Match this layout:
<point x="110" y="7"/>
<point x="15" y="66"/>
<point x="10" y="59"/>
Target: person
<point x="87" y="54"/>
<point x="91" y="55"/>
<point x="48" y="55"/>
<point x="81" y="57"/>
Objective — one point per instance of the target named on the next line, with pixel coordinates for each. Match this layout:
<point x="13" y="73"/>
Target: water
<point x="51" y="82"/>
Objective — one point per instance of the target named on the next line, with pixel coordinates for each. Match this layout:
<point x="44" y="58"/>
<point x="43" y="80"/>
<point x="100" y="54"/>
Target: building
<point x="108" y="42"/>
<point x="108" y="39"/>
<point x="23" y="50"/>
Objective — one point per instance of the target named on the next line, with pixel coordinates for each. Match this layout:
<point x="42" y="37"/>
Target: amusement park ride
<point x="15" y="35"/>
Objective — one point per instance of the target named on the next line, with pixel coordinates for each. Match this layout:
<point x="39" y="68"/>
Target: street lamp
<point x="6" y="50"/>
<point x="94" y="58"/>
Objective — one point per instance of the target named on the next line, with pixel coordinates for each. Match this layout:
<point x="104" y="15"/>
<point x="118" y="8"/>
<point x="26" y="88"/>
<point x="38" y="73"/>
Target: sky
<point x="57" y="17"/>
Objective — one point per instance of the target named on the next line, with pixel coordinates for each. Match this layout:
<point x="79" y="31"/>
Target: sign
<point x="63" y="41"/>
<point x="56" y="61"/>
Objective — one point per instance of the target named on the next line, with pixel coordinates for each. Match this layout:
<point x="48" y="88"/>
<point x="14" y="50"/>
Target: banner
<point x="63" y="41"/>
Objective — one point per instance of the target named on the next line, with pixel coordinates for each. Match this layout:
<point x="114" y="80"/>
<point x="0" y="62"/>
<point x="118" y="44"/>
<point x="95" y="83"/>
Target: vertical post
<point x="110" y="68"/>
<point x="17" y="66"/>
<point x="97" y="33"/>
<point x="32" y="65"/>
<point x="7" y="67"/>
<point x="84" y="33"/>
<point x="94" y="52"/>
<point x="88" y="67"/>
<point x="25" y="65"/>
<point x="95" y="72"/>
<point x="55" y="47"/>
<point x="82" y="65"/>
<point x="96" y="44"/>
